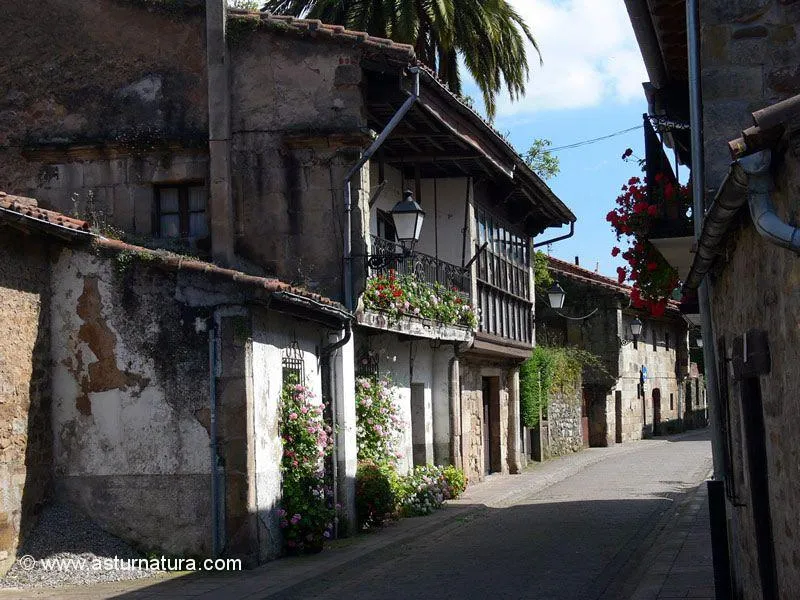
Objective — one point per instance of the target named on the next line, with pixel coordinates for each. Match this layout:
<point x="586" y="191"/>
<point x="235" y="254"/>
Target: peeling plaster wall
<point x="130" y="403"/>
<point x="25" y="433"/>
<point x="272" y="333"/>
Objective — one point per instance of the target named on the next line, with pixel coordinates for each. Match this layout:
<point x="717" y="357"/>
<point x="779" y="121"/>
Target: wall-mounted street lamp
<point x="407" y="216"/>
<point x="555" y="298"/>
<point x="636" y="331"/>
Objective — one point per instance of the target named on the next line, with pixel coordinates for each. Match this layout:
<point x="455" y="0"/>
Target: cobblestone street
<point x="608" y="523"/>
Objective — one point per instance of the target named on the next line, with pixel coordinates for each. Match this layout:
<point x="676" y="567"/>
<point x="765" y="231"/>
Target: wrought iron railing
<point x="389" y="256"/>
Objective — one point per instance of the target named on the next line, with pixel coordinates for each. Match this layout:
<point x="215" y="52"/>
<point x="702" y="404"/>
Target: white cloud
<point x="589" y="52"/>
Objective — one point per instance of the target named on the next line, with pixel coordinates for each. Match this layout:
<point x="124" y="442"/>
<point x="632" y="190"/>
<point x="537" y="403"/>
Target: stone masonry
<point x="25" y="431"/>
<point x="749" y="59"/>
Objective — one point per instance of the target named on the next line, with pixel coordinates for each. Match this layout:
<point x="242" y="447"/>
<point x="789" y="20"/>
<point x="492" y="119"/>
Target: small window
<point x="181" y="211"/>
<point x="386" y="228"/>
<point x="666" y="340"/>
<point x="672" y="401"/>
<point x="655" y="339"/>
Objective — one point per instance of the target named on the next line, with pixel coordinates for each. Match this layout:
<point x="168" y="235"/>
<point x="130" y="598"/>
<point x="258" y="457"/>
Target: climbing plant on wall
<point x="547" y="370"/>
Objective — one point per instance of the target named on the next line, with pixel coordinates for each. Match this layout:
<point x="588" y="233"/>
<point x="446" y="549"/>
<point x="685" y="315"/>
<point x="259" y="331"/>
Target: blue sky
<point x="589" y="86"/>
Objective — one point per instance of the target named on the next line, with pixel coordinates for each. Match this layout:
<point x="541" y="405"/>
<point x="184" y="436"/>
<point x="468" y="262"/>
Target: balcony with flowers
<point x="653" y="222"/>
<point x="412" y="293"/>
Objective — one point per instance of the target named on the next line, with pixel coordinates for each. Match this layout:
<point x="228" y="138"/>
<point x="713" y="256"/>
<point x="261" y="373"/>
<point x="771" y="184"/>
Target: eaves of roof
<point x="23" y="212"/>
<point x="403" y="55"/>
<point x="588" y="277"/>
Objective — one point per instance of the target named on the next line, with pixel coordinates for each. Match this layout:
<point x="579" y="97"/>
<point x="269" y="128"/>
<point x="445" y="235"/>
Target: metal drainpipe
<point x="326" y="352"/>
<point x="720" y="546"/>
<point x="698" y="209"/>
<point x="212" y="382"/>
<point x="348" y="203"/>
<point x="559" y="238"/>
<point x="766" y="220"/>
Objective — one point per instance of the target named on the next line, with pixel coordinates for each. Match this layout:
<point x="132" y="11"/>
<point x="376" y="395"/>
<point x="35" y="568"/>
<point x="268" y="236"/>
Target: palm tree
<point x="489" y="34"/>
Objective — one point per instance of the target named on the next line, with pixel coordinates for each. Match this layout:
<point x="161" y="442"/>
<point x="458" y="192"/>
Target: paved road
<point x="597" y="525"/>
<point x="576" y="540"/>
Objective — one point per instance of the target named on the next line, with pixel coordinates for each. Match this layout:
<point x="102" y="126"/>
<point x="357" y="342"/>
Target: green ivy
<point x="547" y="370"/>
<point x="542" y="277"/>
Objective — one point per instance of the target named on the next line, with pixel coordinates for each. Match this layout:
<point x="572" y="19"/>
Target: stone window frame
<point x="184" y="211"/>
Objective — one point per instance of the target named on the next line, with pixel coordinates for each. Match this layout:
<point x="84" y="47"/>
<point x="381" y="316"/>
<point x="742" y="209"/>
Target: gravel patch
<point x="87" y="553"/>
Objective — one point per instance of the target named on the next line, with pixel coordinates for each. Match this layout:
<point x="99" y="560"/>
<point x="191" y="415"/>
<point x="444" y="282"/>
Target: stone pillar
<point x="441" y="407"/>
<point x="456" y="455"/>
<point x="234" y="435"/>
<point x="343" y="397"/>
<point x="220" y="202"/>
<point x="514" y="441"/>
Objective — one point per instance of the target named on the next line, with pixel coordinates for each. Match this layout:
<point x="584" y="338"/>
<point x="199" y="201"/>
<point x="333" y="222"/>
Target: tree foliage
<point x="541" y="161"/>
<point x="488" y="35"/>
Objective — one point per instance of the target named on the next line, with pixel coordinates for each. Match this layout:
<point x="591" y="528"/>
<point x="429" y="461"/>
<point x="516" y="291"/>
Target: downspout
<point x="215" y="488"/>
<point x="325" y="354"/>
<point x="348" y="203"/>
<point x="768" y="223"/>
<point x="720" y="546"/>
<point x="698" y="210"/>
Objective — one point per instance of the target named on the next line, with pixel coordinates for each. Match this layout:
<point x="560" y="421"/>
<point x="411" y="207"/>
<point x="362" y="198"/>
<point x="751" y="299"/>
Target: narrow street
<point x="622" y="523"/>
<point x="577" y="539"/>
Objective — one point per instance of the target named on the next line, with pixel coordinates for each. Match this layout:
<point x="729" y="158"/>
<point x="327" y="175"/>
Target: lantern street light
<point x="556" y="296"/>
<point x="407" y="216"/>
<point x="636" y="331"/>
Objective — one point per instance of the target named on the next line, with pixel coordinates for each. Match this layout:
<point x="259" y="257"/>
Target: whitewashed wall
<point x="272" y="333"/>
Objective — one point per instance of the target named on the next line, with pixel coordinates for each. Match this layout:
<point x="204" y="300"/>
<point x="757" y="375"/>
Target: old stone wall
<point x="130" y="401"/>
<point x="662" y="350"/>
<point x="563" y="430"/>
<point x="476" y="433"/>
<point x="119" y="74"/>
<point x="756" y="264"/>
<point x="297" y="109"/>
<point x="749" y="58"/>
<point x="25" y="391"/>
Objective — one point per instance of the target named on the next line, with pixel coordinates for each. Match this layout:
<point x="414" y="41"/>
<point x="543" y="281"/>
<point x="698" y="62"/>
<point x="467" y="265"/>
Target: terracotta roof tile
<point x="20" y="206"/>
<point x="586" y="276"/>
<point x="315" y="27"/>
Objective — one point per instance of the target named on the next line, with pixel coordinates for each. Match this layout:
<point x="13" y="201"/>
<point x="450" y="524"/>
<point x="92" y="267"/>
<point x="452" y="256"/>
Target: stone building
<point x="711" y="65"/>
<point x="644" y="387"/>
<point x="122" y="367"/>
<point x="250" y="141"/>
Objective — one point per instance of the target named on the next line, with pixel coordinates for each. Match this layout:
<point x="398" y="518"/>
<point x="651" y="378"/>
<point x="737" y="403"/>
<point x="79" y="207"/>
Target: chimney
<point x="577" y="261"/>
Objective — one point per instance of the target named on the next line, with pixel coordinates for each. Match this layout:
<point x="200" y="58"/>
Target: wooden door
<point x="656" y="411"/>
<point x="487" y="430"/>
